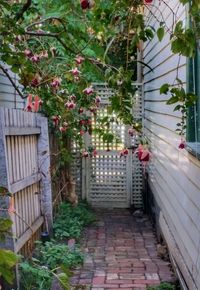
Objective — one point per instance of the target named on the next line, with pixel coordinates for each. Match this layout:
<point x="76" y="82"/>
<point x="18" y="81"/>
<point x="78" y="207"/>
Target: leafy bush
<point x="54" y="259"/>
<point x="8" y="259"/>
<point x="64" y="228"/>
<point x="50" y="260"/>
<point x="69" y="221"/>
<point x="34" y="277"/>
<point x="53" y="255"/>
<point x="162" y="286"/>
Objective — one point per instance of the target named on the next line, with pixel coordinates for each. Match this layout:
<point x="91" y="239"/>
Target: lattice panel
<point x="138" y="103"/>
<point x="137" y="183"/>
<point x="137" y="171"/>
<point x="108" y="181"/>
<point x="113" y="180"/>
<point x="103" y="92"/>
<point x="115" y="127"/>
<point x="76" y="168"/>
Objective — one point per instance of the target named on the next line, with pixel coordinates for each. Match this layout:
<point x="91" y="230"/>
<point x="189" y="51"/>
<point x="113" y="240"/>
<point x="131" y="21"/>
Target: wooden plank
<point x="28" y="234"/>
<point x="20" y="131"/>
<point x="23" y="183"/>
<point x="44" y="165"/>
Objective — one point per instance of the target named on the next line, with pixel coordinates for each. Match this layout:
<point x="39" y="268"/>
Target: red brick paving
<point x="120" y="253"/>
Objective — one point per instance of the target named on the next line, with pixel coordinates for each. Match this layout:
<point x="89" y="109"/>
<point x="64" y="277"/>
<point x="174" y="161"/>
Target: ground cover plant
<point x="162" y="286"/>
<point x="56" y="258"/>
<point x="70" y="221"/>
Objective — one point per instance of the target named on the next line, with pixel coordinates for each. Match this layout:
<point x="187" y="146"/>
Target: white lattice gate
<point x="109" y="180"/>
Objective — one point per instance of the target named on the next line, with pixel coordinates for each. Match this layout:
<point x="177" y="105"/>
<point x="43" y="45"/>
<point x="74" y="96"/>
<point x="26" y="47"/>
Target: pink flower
<point x="28" y="53"/>
<point x="75" y="71"/>
<point x="182" y="145"/>
<point x="40" y="103"/>
<point x="29" y="104"/>
<point x="131" y="132"/>
<point x="56" y="120"/>
<point x="79" y="59"/>
<point x="84" y="4"/>
<point x="88" y="91"/>
<point x="97" y="100"/>
<point x="70" y="105"/>
<point x="36" y="104"/>
<point x="93" y="109"/>
<point x="35" y="82"/>
<point x="80" y="110"/>
<point x="35" y="58"/>
<point x="62" y="129"/>
<point x="56" y="83"/>
<point x="89" y="121"/>
<point x="124" y="152"/>
<point x="72" y="98"/>
<point x="85" y="154"/>
<point x="87" y="4"/>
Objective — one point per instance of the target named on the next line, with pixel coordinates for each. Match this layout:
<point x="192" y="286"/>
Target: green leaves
<point x="164" y="89"/>
<point x="183" y="40"/>
<point x="160" y="33"/>
<point x="7" y="261"/>
<point x="184" y="100"/>
<point x="5" y="226"/>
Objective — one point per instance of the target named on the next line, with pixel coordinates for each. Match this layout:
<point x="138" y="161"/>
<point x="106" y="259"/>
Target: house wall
<point x="174" y="174"/>
<point x="8" y="95"/>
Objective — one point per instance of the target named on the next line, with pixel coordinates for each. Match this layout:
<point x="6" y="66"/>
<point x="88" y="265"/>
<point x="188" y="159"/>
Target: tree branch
<point x="12" y="82"/>
<point x="45" y="20"/>
<point x="25" y="7"/>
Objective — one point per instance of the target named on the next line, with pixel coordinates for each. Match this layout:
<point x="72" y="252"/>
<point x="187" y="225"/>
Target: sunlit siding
<point x="8" y="96"/>
<point x="174" y="175"/>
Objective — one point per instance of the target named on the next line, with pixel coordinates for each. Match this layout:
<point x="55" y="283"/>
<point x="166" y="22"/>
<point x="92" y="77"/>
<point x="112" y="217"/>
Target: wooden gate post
<point x="4" y="182"/>
<point x="44" y="168"/>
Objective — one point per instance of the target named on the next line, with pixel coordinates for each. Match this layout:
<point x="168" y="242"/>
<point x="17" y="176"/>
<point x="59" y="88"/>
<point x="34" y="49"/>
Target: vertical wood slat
<point x="21" y="161"/>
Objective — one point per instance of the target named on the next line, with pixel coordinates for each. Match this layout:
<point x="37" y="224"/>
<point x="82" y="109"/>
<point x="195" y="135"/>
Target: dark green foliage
<point x="184" y="100"/>
<point x="52" y="254"/>
<point x="8" y="259"/>
<point x="70" y="220"/>
<point x="53" y="259"/>
<point x="162" y="286"/>
<point x="34" y="277"/>
<point x="5" y="226"/>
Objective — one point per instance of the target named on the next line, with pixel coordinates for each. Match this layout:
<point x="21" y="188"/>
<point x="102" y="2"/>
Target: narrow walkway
<point x="121" y="254"/>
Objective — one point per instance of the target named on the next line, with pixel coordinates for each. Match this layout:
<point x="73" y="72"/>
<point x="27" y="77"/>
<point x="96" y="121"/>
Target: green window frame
<point x="193" y="121"/>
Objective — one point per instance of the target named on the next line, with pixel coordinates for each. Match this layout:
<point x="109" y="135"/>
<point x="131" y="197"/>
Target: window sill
<point x="194" y="149"/>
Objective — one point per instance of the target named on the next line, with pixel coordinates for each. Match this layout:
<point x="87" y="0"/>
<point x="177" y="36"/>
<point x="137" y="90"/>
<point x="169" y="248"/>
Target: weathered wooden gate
<point x="109" y="180"/>
<point x="25" y="173"/>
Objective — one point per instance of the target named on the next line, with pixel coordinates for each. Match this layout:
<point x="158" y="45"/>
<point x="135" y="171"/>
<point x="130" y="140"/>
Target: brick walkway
<point x="120" y="254"/>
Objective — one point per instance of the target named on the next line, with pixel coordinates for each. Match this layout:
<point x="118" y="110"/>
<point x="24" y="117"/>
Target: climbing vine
<point x="59" y="48"/>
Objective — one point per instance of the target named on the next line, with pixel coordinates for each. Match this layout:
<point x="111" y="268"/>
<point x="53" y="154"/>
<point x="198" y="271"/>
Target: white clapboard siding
<point x="9" y="98"/>
<point x="174" y="175"/>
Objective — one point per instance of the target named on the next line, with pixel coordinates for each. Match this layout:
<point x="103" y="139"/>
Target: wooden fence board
<point x="25" y="172"/>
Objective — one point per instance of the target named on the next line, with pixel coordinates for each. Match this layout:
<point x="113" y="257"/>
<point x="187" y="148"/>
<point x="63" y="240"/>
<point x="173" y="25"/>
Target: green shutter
<point x="197" y="82"/>
<point x="191" y="113"/>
